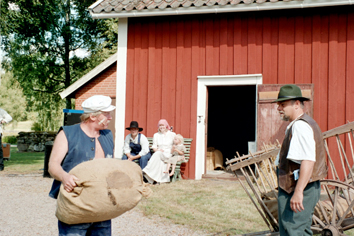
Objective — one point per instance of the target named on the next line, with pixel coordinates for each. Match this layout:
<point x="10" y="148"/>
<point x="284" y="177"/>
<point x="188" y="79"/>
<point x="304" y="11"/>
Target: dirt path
<point x="26" y="209"/>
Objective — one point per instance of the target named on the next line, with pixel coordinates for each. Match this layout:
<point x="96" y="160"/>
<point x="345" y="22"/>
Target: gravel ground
<point x="26" y="209"/>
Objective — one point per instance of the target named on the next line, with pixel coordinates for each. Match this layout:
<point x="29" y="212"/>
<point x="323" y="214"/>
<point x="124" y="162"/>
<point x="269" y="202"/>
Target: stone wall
<point x="34" y="141"/>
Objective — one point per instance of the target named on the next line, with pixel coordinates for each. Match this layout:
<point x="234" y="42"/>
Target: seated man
<point x="136" y="145"/>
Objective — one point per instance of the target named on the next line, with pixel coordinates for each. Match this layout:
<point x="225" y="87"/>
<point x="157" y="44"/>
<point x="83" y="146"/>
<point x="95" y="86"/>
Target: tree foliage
<point x="12" y="99"/>
<point x="42" y="38"/>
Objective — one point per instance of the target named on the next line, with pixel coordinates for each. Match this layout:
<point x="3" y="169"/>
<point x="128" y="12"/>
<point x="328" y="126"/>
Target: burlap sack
<point x="106" y="189"/>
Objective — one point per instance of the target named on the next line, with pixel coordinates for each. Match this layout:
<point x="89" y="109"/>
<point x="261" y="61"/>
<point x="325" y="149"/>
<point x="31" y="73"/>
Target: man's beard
<point x="284" y="117"/>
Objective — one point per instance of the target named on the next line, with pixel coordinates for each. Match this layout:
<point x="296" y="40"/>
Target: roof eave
<point x="222" y="9"/>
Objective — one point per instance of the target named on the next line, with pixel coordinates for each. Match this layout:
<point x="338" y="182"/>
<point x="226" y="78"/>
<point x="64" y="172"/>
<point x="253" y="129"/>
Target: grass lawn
<point x="24" y="162"/>
<point x="219" y="207"/>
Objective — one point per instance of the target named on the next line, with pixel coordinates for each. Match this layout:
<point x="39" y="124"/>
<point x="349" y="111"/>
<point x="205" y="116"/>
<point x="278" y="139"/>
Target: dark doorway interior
<point x="231" y="119"/>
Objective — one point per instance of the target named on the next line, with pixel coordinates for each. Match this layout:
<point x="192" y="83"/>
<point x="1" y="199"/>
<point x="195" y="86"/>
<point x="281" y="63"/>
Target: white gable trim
<point x="203" y="83"/>
<point x="86" y="78"/>
<point x="222" y="9"/>
<point x="121" y="86"/>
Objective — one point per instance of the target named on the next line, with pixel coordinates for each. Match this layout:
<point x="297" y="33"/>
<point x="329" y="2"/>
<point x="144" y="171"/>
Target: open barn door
<point x="270" y="127"/>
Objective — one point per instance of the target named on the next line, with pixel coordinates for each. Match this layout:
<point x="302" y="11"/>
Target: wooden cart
<point x="334" y="213"/>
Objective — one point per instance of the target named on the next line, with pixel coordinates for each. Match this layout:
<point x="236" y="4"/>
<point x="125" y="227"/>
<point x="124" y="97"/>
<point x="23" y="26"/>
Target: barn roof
<point x="70" y="91"/>
<point x="136" y="8"/>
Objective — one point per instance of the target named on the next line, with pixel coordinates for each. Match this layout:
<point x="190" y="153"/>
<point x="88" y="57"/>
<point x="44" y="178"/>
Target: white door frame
<point x="203" y="83"/>
<point x="121" y="86"/>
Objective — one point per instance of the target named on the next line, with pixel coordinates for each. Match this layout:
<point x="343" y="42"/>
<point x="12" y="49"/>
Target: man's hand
<point x="296" y="201"/>
<point x="68" y="182"/>
<point x="306" y="169"/>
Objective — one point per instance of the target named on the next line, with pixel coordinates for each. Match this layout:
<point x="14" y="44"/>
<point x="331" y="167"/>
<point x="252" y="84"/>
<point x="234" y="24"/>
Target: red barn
<point x="211" y="68"/>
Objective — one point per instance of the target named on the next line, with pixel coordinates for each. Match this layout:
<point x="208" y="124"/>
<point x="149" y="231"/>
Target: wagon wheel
<point x="334" y="213"/>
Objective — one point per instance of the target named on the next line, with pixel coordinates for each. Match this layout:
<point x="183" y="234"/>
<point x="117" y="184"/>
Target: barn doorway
<point x="231" y="123"/>
<point x="204" y="83"/>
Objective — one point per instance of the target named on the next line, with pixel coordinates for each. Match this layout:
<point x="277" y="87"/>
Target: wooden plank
<point x="132" y="59"/>
<point x="209" y="52"/>
<point x="198" y="67"/>
<point x="320" y="69"/>
<point x="255" y="26"/>
<point x="215" y="67"/>
<point x="168" y="72"/>
<point x="337" y="68"/>
<point x="339" y="130"/>
<point x="303" y="55"/>
<point x="180" y="82"/>
<point x="286" y="50"/>
<point x="151" y="107"/>
<point x="350" y="69"/>
<point x="253" y="160"/>
<point x="240" y="45"/>
<point x="155" y="77"/>
<point x="223" y="46"/>
<point x="187" y="78"/>
<point x="140" y="93"/>
<point x="230" y="45"/>
<point x="270" y="50"/>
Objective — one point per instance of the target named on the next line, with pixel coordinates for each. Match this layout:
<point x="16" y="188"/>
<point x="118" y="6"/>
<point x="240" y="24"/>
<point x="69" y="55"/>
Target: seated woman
<point x="162" y="145"/>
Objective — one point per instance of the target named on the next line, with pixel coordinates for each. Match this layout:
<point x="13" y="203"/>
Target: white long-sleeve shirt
<point x="4" y="116"/>
<point x="143" y="142"/>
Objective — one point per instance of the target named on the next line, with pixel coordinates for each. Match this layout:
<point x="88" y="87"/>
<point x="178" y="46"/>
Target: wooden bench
<point x="177" y="175"/>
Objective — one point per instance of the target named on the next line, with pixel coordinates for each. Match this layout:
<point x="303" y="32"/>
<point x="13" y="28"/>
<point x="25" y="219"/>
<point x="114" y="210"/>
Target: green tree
<point x="42" y="38"/>
<point x="12" y="99"/>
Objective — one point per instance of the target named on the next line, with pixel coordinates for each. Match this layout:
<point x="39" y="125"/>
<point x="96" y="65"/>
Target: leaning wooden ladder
<point x="334" y="213"/>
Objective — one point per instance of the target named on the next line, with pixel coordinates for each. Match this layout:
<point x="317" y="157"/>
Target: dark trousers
<point x="1" y="156"/>
<point x="102" y="228"/>
<point x="143" y="161"/>
<point x="298" y="224"/>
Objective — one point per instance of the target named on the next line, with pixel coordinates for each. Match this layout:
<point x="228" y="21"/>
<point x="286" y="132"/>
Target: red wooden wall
<point x="166" y="54"/>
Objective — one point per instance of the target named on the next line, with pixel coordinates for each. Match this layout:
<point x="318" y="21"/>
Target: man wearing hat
<point x="136" y="145"/>
<point x="302" y="163"/>
<point x="79" y="143"/>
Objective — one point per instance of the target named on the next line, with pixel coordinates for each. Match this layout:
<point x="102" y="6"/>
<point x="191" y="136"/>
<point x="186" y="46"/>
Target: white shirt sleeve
<point x="154" y="143"/>
<point x="302" y="145"/>
<point x="5" y="116"/>
<point x="126" y="148"/>
<point x="144" y="145"/>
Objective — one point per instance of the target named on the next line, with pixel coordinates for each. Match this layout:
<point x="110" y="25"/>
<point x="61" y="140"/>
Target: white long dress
<point x="155" y="167"/>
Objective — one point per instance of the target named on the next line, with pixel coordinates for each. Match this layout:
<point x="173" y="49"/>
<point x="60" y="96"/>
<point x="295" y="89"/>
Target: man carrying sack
<point x="80" y="143"/>
<point x="302" y="163"/>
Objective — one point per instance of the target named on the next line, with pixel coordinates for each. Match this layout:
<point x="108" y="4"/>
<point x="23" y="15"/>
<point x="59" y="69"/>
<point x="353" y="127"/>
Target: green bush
<point x="9" y="139"/>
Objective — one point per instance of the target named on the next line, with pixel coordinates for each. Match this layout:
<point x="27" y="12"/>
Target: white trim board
<point x="203" y="83"/>
<point x="218" y="9"/>
<point x="121" y="86"/>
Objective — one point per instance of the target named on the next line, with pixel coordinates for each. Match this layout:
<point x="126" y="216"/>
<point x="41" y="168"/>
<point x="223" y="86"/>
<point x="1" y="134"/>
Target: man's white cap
<point x="97" y="103"/>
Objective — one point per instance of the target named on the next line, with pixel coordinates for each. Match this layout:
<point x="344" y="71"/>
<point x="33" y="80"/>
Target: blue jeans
<point x="143" y="161"/>
<point x="102" y="228"/>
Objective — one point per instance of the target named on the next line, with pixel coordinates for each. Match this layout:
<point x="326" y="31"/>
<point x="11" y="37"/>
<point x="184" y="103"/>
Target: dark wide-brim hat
<point x="134" y="124"/>
<point x="290" y="92"/>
